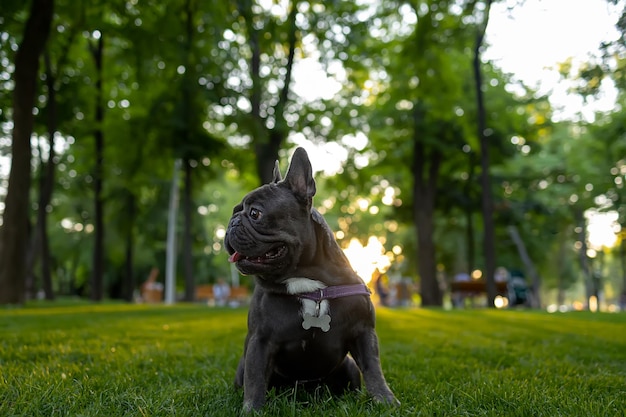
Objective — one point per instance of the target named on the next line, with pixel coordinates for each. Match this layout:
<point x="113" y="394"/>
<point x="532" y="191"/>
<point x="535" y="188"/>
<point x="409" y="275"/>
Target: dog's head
<point x="271" y="231"/>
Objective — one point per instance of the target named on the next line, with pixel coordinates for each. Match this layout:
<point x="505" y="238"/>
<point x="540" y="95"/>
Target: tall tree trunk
<point x="39" y="241"/>
<point x="585" y="266"/>
<point x="267" y="154"/>
<point x="14" y="230"/>
<point x="622" y="252"/>
<point x="423" y="213"/>
<point x="187" y="234"/>
<point x="489" y="247"/>
<point x="187" y="111"/>
<point x="469" y="215"/>
<point x="425" y="174"/>
<point x="97" y="273"/>
<point x="31" y="287"/>
<point x="561" y="268"/>
<point x="128" y="283"/>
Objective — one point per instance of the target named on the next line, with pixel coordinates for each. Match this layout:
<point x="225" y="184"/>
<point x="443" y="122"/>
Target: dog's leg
<point x="365" y="353"/>
<point x="258" y="365"/>
<point x="239" y="374"/>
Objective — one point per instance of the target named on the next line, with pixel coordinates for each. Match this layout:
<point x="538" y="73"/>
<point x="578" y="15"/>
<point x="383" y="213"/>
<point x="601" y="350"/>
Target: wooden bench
<point x="239" y="295"/>
<point x="477" y="287"/>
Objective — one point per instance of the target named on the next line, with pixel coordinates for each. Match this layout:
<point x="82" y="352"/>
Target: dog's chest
<point x="314" y="313"/>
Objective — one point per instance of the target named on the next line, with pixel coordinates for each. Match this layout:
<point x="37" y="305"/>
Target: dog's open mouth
<point x="273" y="254"/>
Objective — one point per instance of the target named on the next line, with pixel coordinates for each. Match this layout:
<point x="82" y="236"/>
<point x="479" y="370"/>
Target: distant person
<point x="404" y="292"/>
<point x="221" y="292"/>
<point x="518" y="289"/>
<point x="381" y="287"/>
<point x="151" y="290"/>
<point x="501" y="275"/>
<point x="458" y="297"/>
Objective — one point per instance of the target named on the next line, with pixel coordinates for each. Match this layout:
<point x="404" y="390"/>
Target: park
<point x="474" y="179"/>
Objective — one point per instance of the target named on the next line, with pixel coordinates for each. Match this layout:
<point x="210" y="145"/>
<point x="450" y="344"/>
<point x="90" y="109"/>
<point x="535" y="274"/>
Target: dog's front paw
<point x="390" y="400"/>
<point x="250" y="407"/>
<point x="253" y="403"/>
<point x="387" y="398"/>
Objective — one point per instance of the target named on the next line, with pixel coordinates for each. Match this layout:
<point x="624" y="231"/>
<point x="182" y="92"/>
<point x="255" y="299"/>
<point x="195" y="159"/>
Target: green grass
<point x="133" y="360"/>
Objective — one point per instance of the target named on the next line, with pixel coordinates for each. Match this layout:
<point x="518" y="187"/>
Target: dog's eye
<point x="255" y="214"/>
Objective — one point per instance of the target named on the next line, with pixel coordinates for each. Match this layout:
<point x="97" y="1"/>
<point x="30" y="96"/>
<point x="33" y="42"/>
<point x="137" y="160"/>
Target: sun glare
<point x="602" y="228"/>
<point x="366" y="259"/>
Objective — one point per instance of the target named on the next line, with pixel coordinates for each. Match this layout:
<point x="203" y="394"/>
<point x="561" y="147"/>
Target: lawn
<point x="137" y="360"/>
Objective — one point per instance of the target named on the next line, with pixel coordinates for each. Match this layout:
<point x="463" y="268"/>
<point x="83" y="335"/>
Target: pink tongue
<point x="234" y="257"/>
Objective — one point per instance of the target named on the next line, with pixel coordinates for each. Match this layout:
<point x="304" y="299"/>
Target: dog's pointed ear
<point x="276" y="173"/>
<point x="299" y="176"/>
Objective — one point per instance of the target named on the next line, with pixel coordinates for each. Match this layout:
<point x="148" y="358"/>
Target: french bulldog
<point x="310" y="320"/>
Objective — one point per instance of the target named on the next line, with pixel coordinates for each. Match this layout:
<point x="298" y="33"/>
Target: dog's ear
<point x="299" y="176"/>
<point x="277" y="176"/>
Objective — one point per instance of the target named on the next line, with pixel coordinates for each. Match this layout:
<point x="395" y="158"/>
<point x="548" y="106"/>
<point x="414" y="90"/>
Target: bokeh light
<point x="366" y="259"/>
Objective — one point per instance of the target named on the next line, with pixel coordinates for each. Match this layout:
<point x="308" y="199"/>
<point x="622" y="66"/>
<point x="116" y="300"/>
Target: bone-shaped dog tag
<point x="323" y="322"/>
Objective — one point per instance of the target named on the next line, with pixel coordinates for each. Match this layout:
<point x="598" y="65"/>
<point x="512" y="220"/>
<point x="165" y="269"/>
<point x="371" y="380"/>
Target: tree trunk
<point x="31" y="286"/>
<point x="47" y="185"/>
<point x="14" y="231"/>
<point x="469" y="215"/>
<point x="97" y="273"/>
<point x="489" y="247"/>
<point x="186" y="134"/>
<point x="39" y="243"/>
<point x="585" y="266"/>
<point x="622" y="256"/>
<point x="128" y="284"/>
<point x="267" y="154"/>
<point x="561" y="268"/>
<point x="187" y="235"/>
<point x="425" y="174"/>
<point x="426" y="254"/>
<point x="535" y="301"/>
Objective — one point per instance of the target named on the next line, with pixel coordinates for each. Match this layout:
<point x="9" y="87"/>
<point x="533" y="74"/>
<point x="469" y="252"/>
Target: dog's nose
<point x="235" y="221"/>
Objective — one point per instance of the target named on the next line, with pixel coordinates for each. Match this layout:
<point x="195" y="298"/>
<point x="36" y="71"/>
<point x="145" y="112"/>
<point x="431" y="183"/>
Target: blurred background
<point x="452" y="140"/>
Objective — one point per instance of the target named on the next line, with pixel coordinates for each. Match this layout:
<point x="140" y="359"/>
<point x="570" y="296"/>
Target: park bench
<point x="239" y="295"/>
<point x="460" y="291"/>
<point x="477" y="287"/>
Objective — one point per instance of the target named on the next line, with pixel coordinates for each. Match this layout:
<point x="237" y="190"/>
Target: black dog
<point x="311" y="320"/>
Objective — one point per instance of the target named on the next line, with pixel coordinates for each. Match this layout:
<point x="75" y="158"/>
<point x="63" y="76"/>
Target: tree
<point x="193" y="142"/>
<point x="609" y="129"/>
<point x="97" y="272"/>
<point x="14" y="232"/>
<point x="39" y="244"/>
<point x="489" y="249"/>
<point x="416" y="100"/>
<point x="271" y="49"/>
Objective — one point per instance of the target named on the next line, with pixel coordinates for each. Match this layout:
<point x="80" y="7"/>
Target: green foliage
<point x="80" y="359"/>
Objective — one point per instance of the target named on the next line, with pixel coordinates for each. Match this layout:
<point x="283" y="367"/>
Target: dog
<point x="310" y="320"/>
